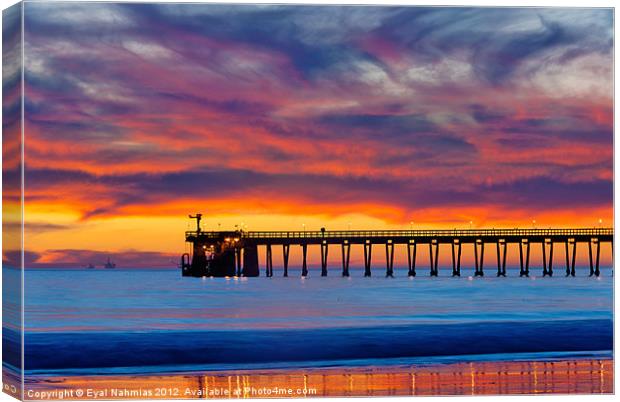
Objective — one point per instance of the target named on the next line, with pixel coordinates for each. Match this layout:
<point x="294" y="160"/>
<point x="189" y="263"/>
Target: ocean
<point x="127" y="321"/>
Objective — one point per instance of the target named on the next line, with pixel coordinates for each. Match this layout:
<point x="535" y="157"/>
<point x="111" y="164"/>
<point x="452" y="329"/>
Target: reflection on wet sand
<point x="479" y="378"/>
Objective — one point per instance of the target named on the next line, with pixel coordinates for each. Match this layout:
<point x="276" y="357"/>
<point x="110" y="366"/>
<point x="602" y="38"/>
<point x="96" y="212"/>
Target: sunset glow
<point x="274" y="117"/>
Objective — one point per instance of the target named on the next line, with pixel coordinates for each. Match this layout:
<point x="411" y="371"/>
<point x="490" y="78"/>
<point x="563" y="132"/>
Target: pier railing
<point x="406" y="233"/>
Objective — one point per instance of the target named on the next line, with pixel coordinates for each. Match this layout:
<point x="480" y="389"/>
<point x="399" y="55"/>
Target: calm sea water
<point x="127" y="321"/>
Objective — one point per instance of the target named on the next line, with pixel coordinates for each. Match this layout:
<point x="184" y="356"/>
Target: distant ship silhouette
<point x="109" y="264"/>
<point x="90" y="266"/>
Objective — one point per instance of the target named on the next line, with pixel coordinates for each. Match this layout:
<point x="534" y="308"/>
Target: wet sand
<point x="479" y="378"/>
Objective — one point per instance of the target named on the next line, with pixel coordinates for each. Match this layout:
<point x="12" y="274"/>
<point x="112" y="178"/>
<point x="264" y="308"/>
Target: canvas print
<point x="261" y="201"/>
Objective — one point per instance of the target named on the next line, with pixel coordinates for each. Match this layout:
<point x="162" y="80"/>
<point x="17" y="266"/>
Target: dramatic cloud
<point x="386" y="112"/>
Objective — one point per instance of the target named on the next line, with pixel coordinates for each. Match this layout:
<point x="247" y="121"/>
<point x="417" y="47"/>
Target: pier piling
<point x="594" y="267"/>
<point x="502" y="251"/>
<point x="547" y="264"/>
<point x="324" y="250"/>
<point x="411" y="256"/>
<point x="571" y="256"/>
<point x="238" y="252"/>
<point x="479" y="257"/>
<point x="304" y="266"/>
<point x="367" y="258"/>
<point x="346" y="256"/>
<point x="286" y="248"/>
<point x="250" y="261"/>
<point x="525" y="269"/>
<point x="433" y="247"/>
<point x="597" y="272"/>
<point x="389" y="257"/>
<point x="456" y="257"/>
<point x="269" y="262"/>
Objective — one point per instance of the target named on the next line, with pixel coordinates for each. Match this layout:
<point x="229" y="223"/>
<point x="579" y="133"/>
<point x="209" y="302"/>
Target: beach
<point x="578" y="376"/>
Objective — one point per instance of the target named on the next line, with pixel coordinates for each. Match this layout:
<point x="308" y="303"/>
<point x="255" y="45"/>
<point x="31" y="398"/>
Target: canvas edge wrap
<point x="12" y="200"/>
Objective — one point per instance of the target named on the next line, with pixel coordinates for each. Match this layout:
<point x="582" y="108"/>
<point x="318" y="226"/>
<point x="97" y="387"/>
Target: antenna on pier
<point x="198" y="217"/>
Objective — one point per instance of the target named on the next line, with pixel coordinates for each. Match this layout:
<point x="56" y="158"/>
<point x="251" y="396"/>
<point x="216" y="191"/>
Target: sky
<point x="275" y="117"/>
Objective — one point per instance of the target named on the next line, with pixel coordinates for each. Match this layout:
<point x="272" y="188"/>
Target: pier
<point x="235" y="253"/>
